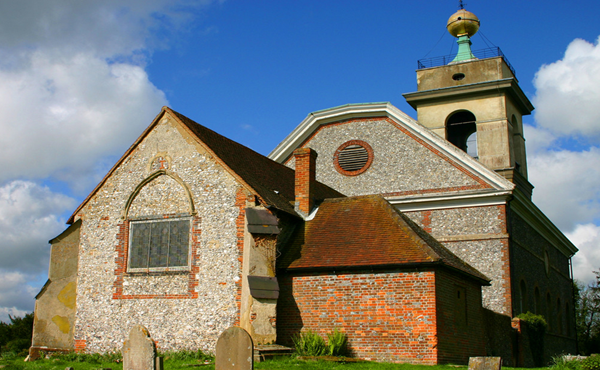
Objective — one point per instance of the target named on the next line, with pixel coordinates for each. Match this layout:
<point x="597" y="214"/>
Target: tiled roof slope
<point x="273" y="181"/>
<point x="366" y="231"/>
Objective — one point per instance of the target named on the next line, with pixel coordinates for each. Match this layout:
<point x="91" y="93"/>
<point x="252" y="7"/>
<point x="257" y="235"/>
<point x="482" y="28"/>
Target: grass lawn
<point x="277" y="364"/>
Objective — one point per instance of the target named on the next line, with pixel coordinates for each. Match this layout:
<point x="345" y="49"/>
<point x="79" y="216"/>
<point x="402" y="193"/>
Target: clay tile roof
<point x="366" y="231"/>
<point x="273" y="181"/>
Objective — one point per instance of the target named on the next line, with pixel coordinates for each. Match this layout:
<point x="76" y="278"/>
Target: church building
<point x="416" y="238"/>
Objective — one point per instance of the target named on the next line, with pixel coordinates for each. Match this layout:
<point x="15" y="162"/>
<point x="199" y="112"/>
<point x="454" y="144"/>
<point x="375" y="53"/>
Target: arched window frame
<point x="461" y="125"/>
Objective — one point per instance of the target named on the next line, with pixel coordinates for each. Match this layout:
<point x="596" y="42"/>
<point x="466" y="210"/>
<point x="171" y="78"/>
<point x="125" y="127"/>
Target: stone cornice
<point x="510" y="86"/>
<point x="450" y="200"/>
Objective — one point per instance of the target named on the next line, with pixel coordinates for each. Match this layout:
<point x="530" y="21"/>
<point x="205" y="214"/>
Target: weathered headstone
<point x="139" y="351"/>
<point x="235" y="350"/>
<point x="485" y="363"/>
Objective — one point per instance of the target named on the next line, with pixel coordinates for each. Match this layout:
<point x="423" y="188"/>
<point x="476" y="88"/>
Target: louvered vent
<point x="353" y="158"/>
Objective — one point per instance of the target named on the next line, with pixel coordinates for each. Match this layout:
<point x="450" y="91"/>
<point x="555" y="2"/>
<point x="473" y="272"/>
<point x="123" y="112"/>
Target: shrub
<point x="94" y="358"/>
<point x="18" y="345"/>
<point x="591" y="363"/>
<point x="310" y="343"/>
<point x="337" y="343"/>
<point x="535" y="323"/>
<point x="8" y="355"/>
<point x="561" y="363"/>
<point x="186" y="355"/>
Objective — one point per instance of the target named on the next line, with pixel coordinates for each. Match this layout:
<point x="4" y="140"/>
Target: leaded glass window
<point x="159" y="244"/>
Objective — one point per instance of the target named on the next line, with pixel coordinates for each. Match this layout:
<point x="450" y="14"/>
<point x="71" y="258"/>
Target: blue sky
<point x="79" y="81"/>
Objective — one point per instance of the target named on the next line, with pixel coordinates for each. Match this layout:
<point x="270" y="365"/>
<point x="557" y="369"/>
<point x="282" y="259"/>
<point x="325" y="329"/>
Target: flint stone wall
<point x="478" y="236"/>
<point x="103" y="322"/>
<point x="400" y="163"/>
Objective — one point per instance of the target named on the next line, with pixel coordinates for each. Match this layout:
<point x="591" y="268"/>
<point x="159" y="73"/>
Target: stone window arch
<point x="559" y="317"/>
<point x="523" y="296"/>
<point x="549" y="311"/>
<point x="537" y="301"/>
<point x="567" y="319"/>
<point x="159" y="214"/>
<point x="461" y="130"/>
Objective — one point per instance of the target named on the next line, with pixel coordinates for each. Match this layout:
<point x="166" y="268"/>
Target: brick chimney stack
<point x="306" y="160"/>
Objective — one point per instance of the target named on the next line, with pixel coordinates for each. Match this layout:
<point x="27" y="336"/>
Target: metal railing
<point x="479" y="54"/>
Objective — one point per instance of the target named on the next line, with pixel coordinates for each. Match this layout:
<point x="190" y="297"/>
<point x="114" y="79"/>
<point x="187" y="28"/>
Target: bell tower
<point x="474" y="101"/>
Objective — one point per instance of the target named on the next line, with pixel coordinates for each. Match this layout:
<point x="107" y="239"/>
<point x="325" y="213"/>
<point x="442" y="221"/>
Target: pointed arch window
<point x="523" y="296"/>
<point x="461" y="130"/>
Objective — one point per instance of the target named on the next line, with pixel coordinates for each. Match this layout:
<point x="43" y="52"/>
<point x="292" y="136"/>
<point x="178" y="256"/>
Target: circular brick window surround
<point x="353" y="157"/>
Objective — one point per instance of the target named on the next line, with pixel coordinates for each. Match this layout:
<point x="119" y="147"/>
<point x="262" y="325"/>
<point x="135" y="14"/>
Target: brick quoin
<point x="427" y="221"/>
<point x="80" y="345"/>
<point x="241" y="200"/>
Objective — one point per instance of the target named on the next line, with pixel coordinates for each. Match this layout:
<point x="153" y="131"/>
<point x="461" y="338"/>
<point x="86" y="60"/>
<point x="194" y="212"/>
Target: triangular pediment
<point x="408" y="161"/>
<point x="271" y="182"/>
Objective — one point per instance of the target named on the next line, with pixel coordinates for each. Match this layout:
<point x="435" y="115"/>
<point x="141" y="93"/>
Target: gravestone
<point x="485" y="363"/>
<point x="235" y="350"/>
<point x="139" y="351"/>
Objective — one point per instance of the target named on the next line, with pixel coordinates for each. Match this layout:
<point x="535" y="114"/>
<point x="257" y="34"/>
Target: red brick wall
<point x="388" y="316"/>
<point x="459" y="337"/>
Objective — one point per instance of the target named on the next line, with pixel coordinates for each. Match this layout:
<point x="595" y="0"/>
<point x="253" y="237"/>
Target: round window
<point x="353" y="157"/>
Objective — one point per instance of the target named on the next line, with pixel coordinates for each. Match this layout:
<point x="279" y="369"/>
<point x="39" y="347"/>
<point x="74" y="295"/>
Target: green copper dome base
<point x="464" y="49"/>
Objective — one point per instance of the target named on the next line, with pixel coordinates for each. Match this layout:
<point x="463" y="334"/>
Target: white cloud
<point x="538" y="140"/>
<point x="74" y="95"/>
<point x="568" y="91"/>
<point x="566" y="185"/>
<point x="64" y="113"/>
<point x="16" y="294"/>
<point x="73" y="88"/>
<point x="587" y="260"/>
<point x="105" y="27"/>
<point x="28" y="219"/>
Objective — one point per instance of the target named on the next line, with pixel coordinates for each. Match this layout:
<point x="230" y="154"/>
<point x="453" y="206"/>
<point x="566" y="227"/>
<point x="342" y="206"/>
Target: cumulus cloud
<point x="28" y="219"/>
<point x="587" y="239"/>
<point x="64" y="113"/>
<point x="566" y="180"/>
<point x="16" y="294"/>
<point x="74" y="95"/>
<point x="104" y="27"/>
<point x="73" y="85"/>
<point x="568" y="91"/>
<point x="566" y="185"/>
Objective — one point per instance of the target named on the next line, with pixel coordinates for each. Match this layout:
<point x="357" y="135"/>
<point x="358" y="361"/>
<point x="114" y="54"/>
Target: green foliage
<point x="591" y="363"/>
<point x="561" y="363"/>
<point x="16" y="335"/>
<point x="587" y="315"/>
<point x="187" y="355"/>
<point x="535" y="323"/>
<point x="310" y="343"/>
<point x="8" y="355"/>
<point x="93" y="358"/>
<point x="337" y="343"/>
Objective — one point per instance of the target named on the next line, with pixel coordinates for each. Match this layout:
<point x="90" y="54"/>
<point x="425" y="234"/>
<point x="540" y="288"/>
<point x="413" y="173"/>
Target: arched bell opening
<point x="461" y="130"/>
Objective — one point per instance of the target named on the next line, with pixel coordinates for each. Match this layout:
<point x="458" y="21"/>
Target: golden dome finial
<point x="463" y="22"/>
